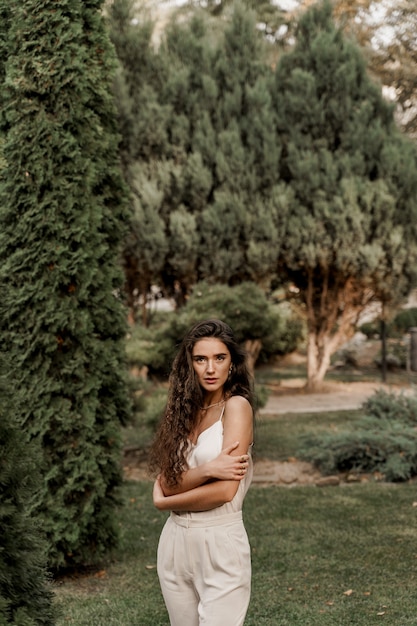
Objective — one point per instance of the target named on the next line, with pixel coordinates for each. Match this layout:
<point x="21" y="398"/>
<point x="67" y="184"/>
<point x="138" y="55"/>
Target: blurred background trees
<point x="275" y="161"/>
<point x="349" y="234"/>
<point x="199" y="185"/>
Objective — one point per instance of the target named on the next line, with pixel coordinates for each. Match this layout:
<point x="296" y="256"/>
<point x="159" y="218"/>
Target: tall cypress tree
<point x="25" y="595"/>
<point x="61" y="214"/>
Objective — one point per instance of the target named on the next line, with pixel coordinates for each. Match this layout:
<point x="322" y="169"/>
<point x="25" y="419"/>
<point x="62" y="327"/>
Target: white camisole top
<point x="208" y="446"/>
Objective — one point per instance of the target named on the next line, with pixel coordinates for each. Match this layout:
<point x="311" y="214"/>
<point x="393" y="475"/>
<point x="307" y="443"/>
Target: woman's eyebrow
<point x="199" y="356"/>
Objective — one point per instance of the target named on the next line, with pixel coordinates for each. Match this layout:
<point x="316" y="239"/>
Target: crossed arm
<point x="214" y="483"/>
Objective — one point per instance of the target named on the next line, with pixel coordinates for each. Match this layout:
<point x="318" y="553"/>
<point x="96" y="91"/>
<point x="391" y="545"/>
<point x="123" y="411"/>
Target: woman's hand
<point x="158" y="495"/>
<point x="229" y="467"/>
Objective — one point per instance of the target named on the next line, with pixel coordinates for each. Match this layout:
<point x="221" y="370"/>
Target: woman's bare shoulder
<point x="238" y="403"/>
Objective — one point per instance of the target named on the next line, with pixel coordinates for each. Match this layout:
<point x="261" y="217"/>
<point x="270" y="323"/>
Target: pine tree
<point x="385" y="31"/>
<point x="25" y="595"/>
<point x="142" y="120"/>
<point x="146" y="245"/>
<point x="348" y="215"/>
<point x="62" y="208"/>
<point x="191" y="95"/>
<point x="210" y="182"/>
<point x="238" y="227"/>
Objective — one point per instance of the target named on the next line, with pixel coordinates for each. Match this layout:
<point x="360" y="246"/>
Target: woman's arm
<point x="225" y="466"/>
<point x="238" y="426"/>
<point x="203" y="498"/>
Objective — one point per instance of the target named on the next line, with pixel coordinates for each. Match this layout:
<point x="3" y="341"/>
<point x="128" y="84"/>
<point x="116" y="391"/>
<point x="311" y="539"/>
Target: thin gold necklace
<point x="210" y="406"/>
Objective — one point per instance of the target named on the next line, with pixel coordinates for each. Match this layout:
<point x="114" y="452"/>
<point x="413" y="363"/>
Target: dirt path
<point x="291" y="397"/>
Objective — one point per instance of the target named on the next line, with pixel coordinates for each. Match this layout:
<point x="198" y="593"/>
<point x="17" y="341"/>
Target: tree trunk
<point x="144" y="311"/>
<point x="319" y="351"/>
<point x="384" y="351"/>
<point x="253" y="348"/>
<point x="332" y="310"/>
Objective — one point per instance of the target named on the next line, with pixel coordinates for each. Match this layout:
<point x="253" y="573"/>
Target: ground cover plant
<point x="384" y="440"/>
<point x="321" y="556"/>
<point x="277" y="438"/>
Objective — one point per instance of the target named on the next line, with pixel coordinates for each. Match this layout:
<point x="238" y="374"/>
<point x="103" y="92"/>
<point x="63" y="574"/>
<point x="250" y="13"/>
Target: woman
<point x="202" y="453"/>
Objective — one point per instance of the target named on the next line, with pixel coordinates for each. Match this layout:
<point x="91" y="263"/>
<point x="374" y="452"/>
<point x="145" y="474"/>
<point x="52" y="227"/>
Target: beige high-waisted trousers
<point x="204" y="568"/>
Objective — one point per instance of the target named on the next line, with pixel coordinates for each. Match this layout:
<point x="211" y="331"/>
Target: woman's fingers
<point x="242" y="466"/>
<point x="228" y="466"/>
<point x="230" y="448"/>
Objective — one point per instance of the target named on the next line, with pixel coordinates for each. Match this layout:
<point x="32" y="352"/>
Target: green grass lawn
<point x="330" y="556"/>
<point x="333" y="556"/>
<point x="279" y="437"/>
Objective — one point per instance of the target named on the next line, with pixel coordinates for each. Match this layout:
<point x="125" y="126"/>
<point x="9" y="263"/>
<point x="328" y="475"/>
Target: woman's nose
<point x="210" y="365"/>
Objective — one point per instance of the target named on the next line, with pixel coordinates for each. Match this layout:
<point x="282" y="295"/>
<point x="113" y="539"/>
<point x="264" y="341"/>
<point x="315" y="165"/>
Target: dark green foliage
<point x="244" y="307"/>
<point x="349" y="222"/>
<point x="371" y="329"/>
<point x="338" y="132"/>
<point x="402" y="322"/>
<point x="140" y="76"/>
<point x="397" y="353"/>
<point x="287" y="335"/>
<point x="148" y="411"/>
<point x="298" y="176"/>
<point x="61" y="215"/>
<point x="25" y="595"/>
<point x="396" y="328"/>
<point x="385" y="441"/>
<point x="201" y="174"/>
<point x="269" y="15"/>
<point x="399" y="408"/>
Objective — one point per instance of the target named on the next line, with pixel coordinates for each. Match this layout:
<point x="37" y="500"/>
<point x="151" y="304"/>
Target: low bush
<point x="244" y="307"/>
<point x="396" y="328"/>
<point x="397" y="408"/>
<point x="396" y="355"/>
<point x="384" y="442"/>
<point x="267" y="329"/>
<point x="371" y="329"/>
<point x="402" y="322"/>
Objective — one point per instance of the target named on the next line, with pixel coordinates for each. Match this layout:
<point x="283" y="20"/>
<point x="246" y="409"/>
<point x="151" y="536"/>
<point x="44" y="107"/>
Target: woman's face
<point x="211" y="362"/>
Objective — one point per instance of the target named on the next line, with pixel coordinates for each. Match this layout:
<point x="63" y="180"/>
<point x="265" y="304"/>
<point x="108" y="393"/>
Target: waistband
<point x="203" y="522"/>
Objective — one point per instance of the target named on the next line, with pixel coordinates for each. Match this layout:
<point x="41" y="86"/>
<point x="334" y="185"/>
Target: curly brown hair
<point x="169" y="450"/>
